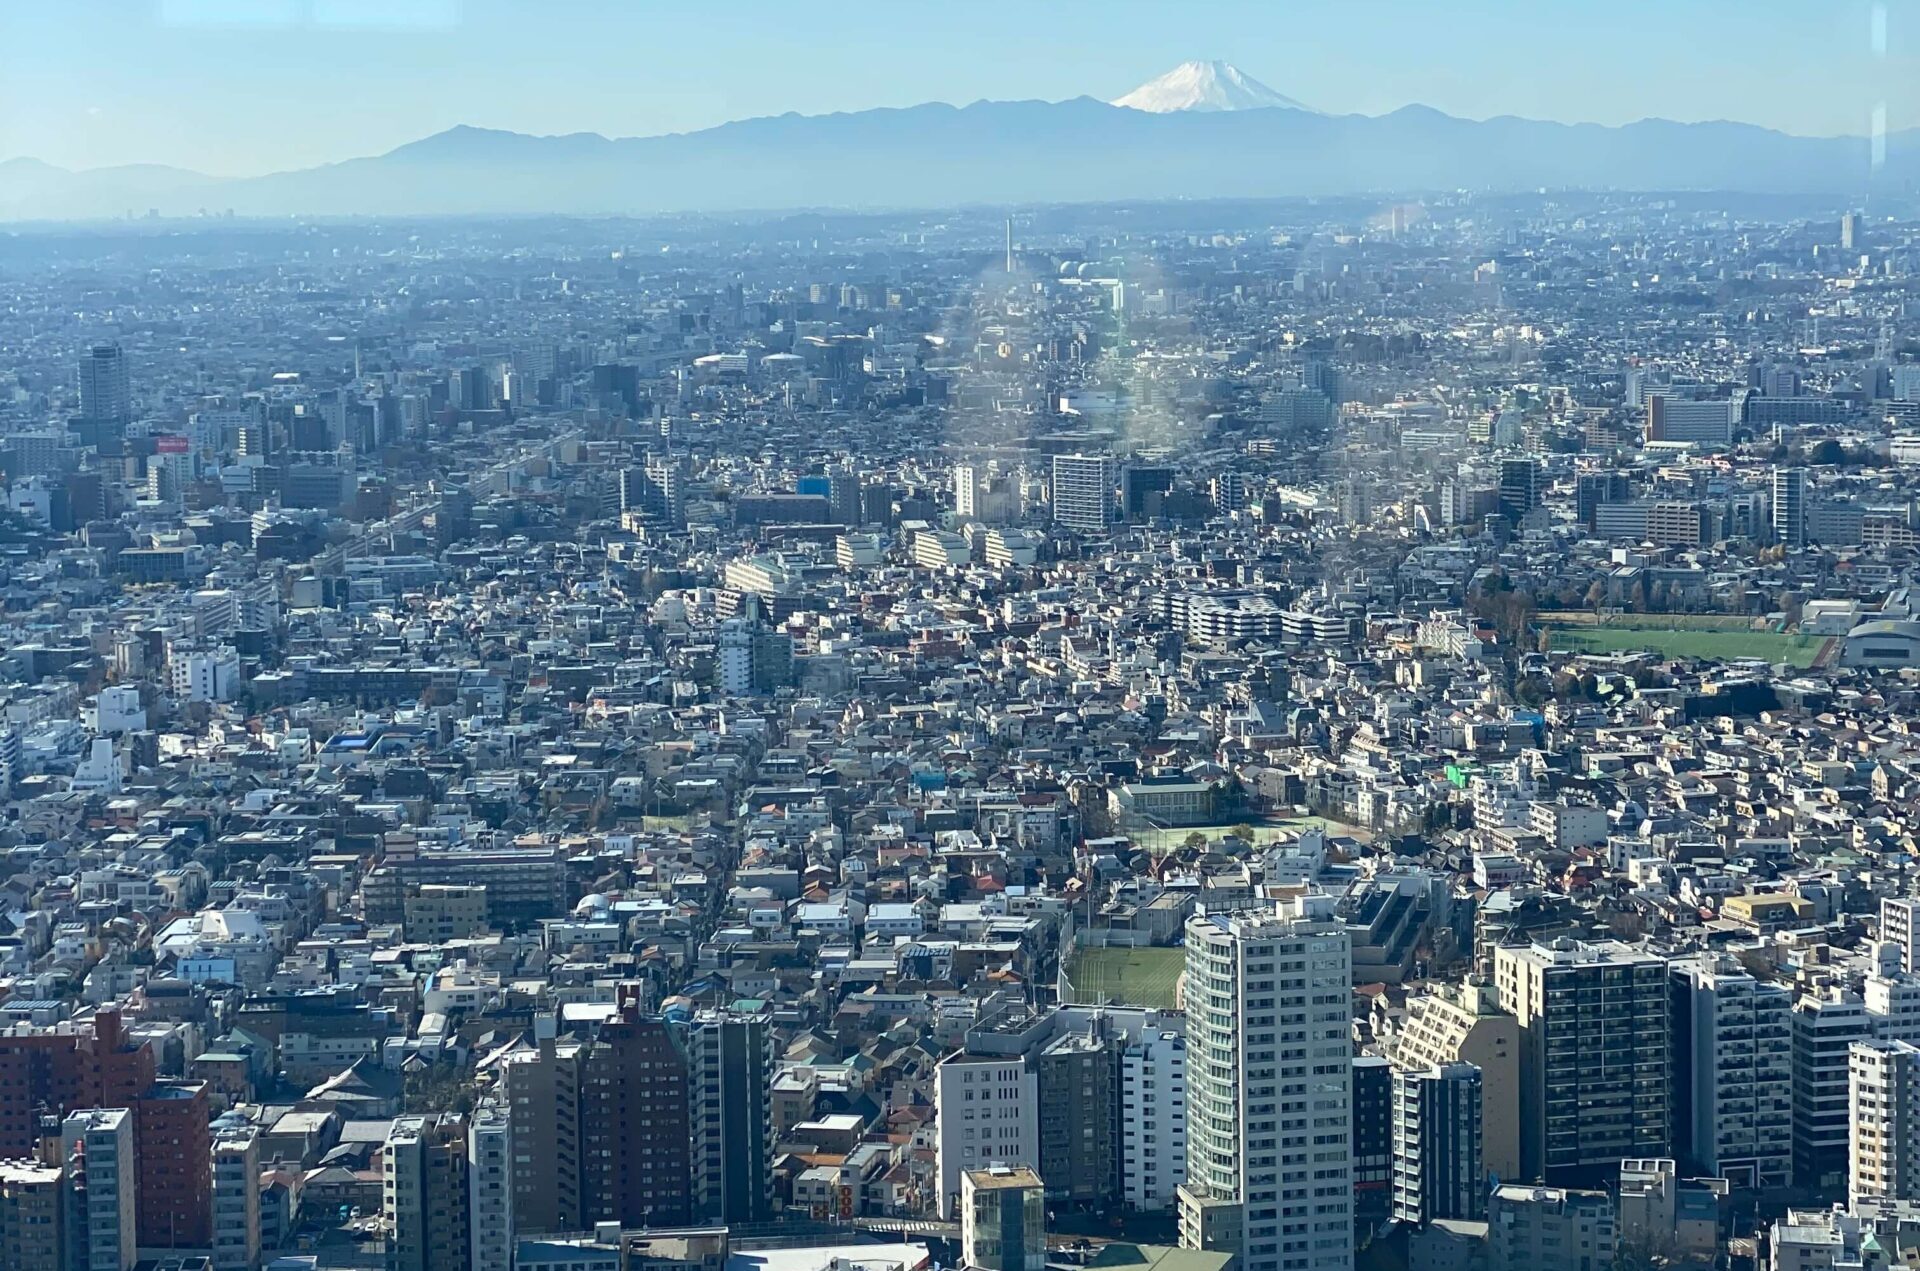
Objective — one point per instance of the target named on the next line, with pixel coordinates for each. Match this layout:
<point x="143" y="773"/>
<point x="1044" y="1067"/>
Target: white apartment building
<point x="1883" y="1108"/>
<point x="1228" y="491"/>
<point x="205" y="675"/>
<point x="966" y="490"/>
<point x="236" y="1196"/>
<point x="1223" y="617"/>
<point x="1568" y="825"/>
<point x="215" y="612"/>
<point x="1083" y="492"/>
<point x="97" y="1145"/>
<point x="1733" y="1072"/>
<point x="1900" y="924"/>
<point x="1500" y="804"/>
<point x="859" y="551"/>
<point x="1007" y="548"/>
<point x="1893" y="1004"/>
<point x="940" y="549"/>
<point x="1153" y="1119"/>
<point x="1270" y="1087"/>
<point x="490" y="1187"/>
<point x="1818" y="1239"/>
<point x="117" y="709"/>
<point x="986" y="1112"/>
<point x="216" y="430"/>
<point x="101" y="771"/>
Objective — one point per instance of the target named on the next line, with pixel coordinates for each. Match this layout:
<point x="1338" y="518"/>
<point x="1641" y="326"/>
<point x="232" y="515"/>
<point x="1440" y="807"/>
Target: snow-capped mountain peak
<point x="1205" y="86"/>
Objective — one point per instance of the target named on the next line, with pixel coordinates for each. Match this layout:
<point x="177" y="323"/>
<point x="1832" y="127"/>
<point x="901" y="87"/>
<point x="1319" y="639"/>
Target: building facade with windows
<point x="1270" y="1087"/>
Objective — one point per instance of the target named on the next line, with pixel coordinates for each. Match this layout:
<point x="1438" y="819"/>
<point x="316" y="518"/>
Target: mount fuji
<point x="1202" y="131"/>
<point x="1206" y="86"/>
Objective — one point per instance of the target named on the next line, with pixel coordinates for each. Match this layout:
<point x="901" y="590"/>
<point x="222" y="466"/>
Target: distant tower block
<point x="1009" y="244"/>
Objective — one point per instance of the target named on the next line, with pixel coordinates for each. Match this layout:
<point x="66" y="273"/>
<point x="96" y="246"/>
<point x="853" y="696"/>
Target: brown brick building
<point x="52" y="1071"/>
<point x="608" y="1137"/>
<point x="172" y="1125"/>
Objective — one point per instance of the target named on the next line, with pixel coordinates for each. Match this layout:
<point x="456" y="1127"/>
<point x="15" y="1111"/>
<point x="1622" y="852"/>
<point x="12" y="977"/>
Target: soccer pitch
<point x="1724" y="646"/>
<point x="1131" y="977"/>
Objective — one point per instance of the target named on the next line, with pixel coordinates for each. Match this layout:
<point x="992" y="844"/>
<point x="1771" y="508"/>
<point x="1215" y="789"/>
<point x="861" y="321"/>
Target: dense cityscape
<point x="1280" y="735"/>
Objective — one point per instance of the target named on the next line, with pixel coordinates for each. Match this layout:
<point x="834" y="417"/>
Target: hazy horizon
<point x="244" y="87"/>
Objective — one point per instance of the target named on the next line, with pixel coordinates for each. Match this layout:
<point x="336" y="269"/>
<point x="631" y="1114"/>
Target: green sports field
<point x="1724" y="646"/>
<point x="1132" y="977"/>
<point x="1644" y="621"/>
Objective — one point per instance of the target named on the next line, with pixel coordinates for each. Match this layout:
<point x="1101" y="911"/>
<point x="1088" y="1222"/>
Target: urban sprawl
<point x="1176" y="737"/>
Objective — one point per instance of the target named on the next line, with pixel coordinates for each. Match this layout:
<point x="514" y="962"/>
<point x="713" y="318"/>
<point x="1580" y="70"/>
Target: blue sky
<point x="245" y="86"/>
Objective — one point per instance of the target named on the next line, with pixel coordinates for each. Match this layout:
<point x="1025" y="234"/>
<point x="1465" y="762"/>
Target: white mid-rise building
<point x="205" y="675"/>
<point x="859" y="551"/>
<point x="1228" y="491"/>
<point x="1568" y="825"/>
<point x="966" y="490"/>
<point x="102" y="771"/>
<point x="215" y="612"/>
<point x="1008" y="548"/>
<point x="1153" y="1119"/>
<point x="940" y="549"/>
<point x="236" y="1197"/>
<point x="1900" y="925"/>
<point x="1224" y="617"/>
<point x="1270" y="1087"/>
<point x="490" y="1187"/>
<point x="1827" y="1020"/>
<point x="1500" y="804"/>
<point x="1883" y="1109"/>
<point x="1893" y="1005"/>
<point x="1532" y="1228"/>
<point x="97" y="1146"/>
<point x="986" y="1112"/>
<point x="217" y="430"/>
<point x="116" y="710"/>
<point x="735" y="658"/>
<point x="1084" y="492"/>
<point x="1820" y="1239"/>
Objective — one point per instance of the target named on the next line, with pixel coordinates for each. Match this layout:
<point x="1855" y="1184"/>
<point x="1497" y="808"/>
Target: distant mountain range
<point x="1204" y="130"/>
